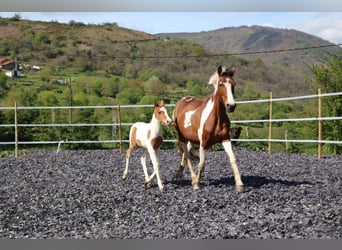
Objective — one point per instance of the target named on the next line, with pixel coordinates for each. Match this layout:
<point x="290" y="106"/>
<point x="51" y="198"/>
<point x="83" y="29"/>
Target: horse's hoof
<point x="178" y="178"/>
<point x="240" y="188"/>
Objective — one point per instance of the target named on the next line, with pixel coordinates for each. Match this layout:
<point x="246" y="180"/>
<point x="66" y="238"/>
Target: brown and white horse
<point x="205" y="122"/>
<point x="149" y="137"/>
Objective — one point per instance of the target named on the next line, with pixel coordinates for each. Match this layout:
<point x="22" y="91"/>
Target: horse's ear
<point x="155" y="103"/>
<point x="219" y="70"/>
<point x="233" y="69"/>
<point x="162" y="103"/>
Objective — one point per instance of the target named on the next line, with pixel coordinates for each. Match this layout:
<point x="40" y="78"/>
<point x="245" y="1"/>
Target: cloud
<point x="327" y="26"/>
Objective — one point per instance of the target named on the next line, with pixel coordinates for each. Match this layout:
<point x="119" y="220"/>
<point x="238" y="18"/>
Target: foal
<point x="149" y="137"/>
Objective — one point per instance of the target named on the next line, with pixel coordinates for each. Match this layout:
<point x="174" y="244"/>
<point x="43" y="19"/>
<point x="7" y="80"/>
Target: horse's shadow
<point x="256" y="181"/>
<point x="249" y="181"/>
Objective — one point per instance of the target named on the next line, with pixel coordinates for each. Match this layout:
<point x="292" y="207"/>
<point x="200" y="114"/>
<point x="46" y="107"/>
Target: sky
<point x="327" y="25"/>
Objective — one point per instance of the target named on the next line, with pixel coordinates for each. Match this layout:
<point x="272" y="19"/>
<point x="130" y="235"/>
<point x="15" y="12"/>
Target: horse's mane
<point x="214" y="78"/>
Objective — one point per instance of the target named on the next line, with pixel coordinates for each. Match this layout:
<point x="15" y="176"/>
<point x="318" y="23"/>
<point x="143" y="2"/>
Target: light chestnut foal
<point x="149" y="137"/>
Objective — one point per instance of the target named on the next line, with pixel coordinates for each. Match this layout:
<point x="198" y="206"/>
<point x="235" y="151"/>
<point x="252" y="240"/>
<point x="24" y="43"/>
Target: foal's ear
<point x="155" y="103"/>
<point x="162" y="103"/>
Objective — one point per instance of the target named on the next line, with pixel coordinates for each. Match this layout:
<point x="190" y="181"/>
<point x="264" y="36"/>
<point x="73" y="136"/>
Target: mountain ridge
<point x="244" y="39"/>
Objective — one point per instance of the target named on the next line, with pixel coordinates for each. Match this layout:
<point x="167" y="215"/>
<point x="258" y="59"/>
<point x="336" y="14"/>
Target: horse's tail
<point x="193" y="154"/>
<point x="235" y="133"/>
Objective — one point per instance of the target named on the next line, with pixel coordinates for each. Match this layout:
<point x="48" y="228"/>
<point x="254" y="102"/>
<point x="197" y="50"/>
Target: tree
<point x="3" y="86"/>
<point x="329" y="77"/>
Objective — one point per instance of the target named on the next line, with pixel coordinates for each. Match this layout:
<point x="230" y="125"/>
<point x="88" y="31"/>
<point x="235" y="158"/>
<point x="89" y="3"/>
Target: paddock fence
<point x="117" y="124"/>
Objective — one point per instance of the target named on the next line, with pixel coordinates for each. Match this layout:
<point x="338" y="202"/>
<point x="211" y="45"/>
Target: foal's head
<point x="224" y="85"/>
<point x="160" y="112"/>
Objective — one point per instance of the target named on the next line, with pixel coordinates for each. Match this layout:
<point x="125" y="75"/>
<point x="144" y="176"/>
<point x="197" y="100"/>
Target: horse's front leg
<point x="197" y="179"/>
<point x="238" y="183"/>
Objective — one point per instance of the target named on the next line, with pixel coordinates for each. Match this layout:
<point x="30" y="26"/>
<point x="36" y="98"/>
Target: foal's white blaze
<point x="168" y="119"/>
<point x="187" y="120"/>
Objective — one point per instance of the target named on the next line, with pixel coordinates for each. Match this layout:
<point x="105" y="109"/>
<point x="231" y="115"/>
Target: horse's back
<point x="186" y="114"/>
<point x="185" y="104"/>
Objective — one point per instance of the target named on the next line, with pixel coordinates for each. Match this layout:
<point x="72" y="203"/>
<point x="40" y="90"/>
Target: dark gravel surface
<point x="80" y="194"/>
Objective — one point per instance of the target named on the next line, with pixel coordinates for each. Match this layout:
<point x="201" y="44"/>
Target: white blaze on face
<point x="187" y="120"/>
<point x="168" y="119"/>
<point x="230" y="96"/>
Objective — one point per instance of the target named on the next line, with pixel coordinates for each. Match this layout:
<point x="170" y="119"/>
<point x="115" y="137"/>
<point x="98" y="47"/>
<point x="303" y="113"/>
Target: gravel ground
<point x="80" y="194"/>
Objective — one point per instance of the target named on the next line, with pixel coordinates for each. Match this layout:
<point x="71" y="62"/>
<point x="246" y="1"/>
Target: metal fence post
<point x="270" y="126"/>
<point x="319" y="150"/>
<point x="120" y="132"/>
<point x="16" y="130"/>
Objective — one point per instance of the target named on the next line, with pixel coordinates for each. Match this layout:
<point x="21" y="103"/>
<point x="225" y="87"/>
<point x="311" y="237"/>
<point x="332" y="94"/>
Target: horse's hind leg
<point x="238" y="183"/>
<point x="186" y="159"/>
<point x="180" y="172"/>
<point x="197" y="179"/>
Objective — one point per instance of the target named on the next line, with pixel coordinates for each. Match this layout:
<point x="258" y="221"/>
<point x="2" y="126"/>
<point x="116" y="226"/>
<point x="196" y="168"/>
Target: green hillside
<point x="109" y="65"/>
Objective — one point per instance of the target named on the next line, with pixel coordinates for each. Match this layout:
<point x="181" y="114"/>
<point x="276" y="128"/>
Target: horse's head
<point x="160" y="112"/>
<point x="224" y="85"/>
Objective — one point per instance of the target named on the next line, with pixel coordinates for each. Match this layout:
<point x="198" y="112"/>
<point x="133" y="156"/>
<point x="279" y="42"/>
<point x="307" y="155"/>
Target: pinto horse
<point x="149" y="137"/>
<point x="205" y="122"/>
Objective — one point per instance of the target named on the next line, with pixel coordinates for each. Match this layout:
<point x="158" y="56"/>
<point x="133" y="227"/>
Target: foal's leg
<point x="155" y="158"/>
<point x="128" y="155"/>
<point x="238" y="183"/>
<point x="143" y="163"/>
<point x="196" y="182"/>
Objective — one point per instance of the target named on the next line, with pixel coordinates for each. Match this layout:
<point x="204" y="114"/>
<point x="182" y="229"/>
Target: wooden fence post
<point x="319" y="150"/>
<point x="114" y="126"/>
<point x="270" y="126"/>
<point x="16" y="130"/>
<point x="286" y="142"/>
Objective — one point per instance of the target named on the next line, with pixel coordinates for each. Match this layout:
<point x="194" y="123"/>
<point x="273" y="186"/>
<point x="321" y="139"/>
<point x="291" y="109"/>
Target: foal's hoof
<point x="148" y="184"/>
<point x="195" y="186"/>
<point x="240" y="188"/>
<point x="123" y="177"/>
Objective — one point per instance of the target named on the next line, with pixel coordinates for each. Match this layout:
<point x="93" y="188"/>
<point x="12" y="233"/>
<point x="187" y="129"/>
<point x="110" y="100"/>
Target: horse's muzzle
<point x="231" y="108"/>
